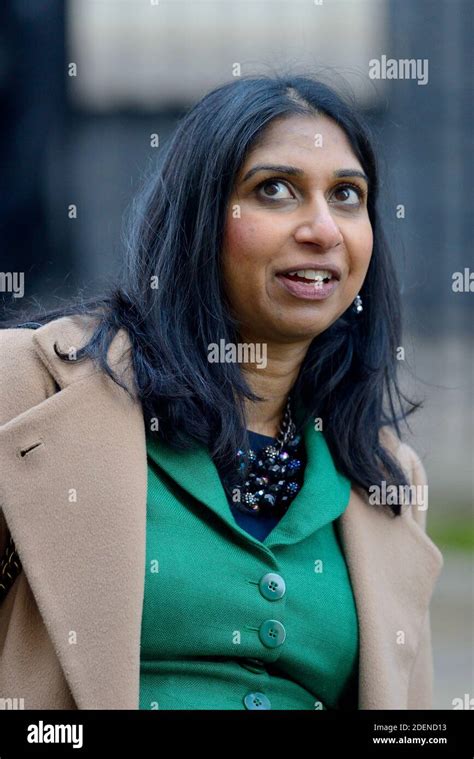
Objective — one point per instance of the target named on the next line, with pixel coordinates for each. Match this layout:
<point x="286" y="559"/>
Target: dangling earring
<point x="358" y="307"/>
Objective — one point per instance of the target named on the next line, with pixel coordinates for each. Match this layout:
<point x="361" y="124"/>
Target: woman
<point x="195" y="468"/>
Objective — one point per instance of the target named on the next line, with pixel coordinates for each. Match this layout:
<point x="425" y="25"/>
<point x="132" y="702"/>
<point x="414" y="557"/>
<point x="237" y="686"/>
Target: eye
<point x="349" y="194"/>
<point x="275" y="186"/>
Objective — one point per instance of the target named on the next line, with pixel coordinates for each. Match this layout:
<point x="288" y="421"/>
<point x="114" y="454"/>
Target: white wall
<point x="138" y="53"/>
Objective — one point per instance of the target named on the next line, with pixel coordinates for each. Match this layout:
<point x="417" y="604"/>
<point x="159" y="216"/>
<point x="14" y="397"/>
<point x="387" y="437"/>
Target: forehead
<point x="310" y="141"/>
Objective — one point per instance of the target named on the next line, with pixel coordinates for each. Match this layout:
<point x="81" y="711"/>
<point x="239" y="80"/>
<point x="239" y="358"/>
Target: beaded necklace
<point x="270" y="475"/>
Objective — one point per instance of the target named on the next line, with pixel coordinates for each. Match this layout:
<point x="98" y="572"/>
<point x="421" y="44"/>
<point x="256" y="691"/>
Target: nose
<point x="320" y="229"/>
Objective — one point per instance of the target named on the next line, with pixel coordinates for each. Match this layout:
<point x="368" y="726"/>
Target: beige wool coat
<point x="70" y="624"/>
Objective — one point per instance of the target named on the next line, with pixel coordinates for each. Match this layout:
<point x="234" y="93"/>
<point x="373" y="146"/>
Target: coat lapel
<point x="393" y="567"/>
<point x="75" y="503"/>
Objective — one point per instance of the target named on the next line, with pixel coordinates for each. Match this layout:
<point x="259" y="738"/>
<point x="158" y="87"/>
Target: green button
<point x="272" y="586"/>
<point x="257" y="701"/>
<point x="272" y="633"/>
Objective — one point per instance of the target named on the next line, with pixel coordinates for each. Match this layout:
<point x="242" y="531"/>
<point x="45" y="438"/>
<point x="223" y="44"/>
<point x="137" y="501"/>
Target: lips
<point x="311" y="276"/>
<point x="316" y="289"/>
<point x="321" y="267"/>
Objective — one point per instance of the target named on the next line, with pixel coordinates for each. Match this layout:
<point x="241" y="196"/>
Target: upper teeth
<point x="312" y="273"/>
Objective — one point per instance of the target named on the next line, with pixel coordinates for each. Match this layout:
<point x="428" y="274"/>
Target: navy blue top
<point x="260" y="524"/>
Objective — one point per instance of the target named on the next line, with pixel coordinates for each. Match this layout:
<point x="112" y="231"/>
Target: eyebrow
<point x="295" y="171"/>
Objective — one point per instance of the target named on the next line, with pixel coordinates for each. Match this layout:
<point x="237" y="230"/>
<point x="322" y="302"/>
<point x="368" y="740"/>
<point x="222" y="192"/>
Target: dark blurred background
<point x="85" y="84"/>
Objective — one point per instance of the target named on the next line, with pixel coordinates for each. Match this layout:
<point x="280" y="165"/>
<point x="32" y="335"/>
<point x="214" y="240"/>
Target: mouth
<point x="310" y="284"/>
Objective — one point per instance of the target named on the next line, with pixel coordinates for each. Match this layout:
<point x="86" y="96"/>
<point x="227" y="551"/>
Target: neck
<point x="273" y="383"/>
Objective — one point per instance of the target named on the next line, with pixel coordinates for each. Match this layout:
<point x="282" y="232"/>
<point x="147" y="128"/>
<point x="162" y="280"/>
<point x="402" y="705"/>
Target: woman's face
<point x="306" y="212"/>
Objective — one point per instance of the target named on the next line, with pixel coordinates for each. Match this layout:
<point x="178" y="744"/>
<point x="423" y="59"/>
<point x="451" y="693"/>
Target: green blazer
<point x="230" y="622"/>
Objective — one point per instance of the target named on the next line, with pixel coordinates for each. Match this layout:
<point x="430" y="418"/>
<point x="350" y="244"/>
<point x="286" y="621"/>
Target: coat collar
<point x="81" y="534"/>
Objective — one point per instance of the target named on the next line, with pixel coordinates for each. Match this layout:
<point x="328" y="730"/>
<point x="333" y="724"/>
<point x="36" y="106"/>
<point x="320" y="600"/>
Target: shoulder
<point x="24" y="380"/>
<point x="31" y="370"/>
<point x="27" y="361"/>
<point x="411" y="463"/>
<point x="406" y="456"/>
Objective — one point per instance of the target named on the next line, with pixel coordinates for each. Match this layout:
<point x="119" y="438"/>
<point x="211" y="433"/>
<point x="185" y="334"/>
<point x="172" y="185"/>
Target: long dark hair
<point x="175" y="233"/>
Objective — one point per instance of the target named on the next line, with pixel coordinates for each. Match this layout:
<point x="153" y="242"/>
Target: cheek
<point x="242" y="236"/>
<point x="245" y="243"/>
<point x="238" y="239"/>
<point x="361" y="250"/>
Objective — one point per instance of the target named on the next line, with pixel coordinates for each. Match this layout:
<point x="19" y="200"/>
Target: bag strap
<point x="10" y="567"/>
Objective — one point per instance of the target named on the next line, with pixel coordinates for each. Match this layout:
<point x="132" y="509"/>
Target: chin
<point x="293" y="331"/>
